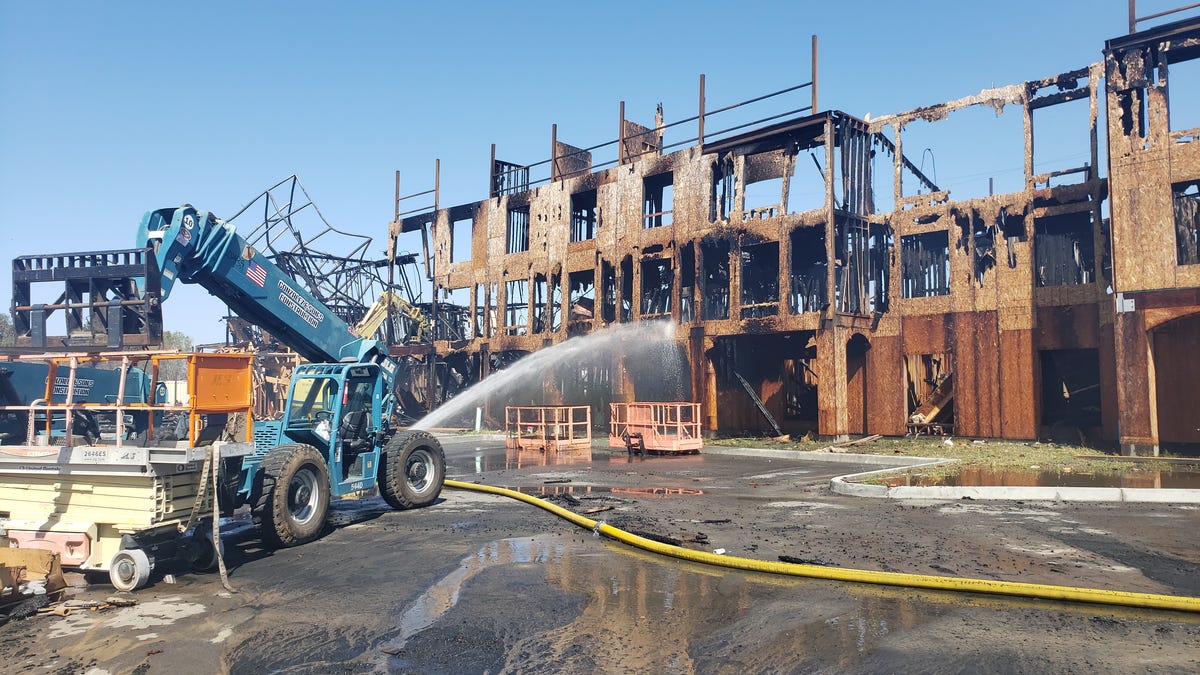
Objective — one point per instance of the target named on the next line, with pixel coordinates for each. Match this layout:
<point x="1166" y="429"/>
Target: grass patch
<point x="991" y="454"/>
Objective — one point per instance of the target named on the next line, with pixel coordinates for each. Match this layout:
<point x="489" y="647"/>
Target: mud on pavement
<point x="479" y="583"/>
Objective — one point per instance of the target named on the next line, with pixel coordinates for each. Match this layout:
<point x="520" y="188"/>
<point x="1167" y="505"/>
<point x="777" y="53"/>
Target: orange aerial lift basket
<point x="655" y="427"/>
<point x="548" y="428"/>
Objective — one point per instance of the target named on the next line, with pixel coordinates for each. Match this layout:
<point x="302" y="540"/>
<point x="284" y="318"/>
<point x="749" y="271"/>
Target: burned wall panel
<point x="841" y="214"/>
<point x="1177" y="371"/>
<point x="976" y="377"/>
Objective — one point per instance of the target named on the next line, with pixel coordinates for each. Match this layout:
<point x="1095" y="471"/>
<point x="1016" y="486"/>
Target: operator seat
<point x="353" y="431"/>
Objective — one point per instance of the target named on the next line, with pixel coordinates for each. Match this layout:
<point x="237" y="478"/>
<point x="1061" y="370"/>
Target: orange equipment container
<point x="660" y="427"/>
<point x="548" y="428"/>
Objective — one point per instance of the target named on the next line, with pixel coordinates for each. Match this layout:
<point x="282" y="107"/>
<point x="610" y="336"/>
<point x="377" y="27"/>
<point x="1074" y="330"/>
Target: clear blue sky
<point x="111" y="109"/>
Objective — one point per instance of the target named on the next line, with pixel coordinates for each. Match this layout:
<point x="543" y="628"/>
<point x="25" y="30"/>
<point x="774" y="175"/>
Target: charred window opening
<point x="1185" y="199"/>
<point x="925" y="261"/>
<point x="461" y="230"/>
<point x="516" y="307"/>
<point x="1184" y="78"/>
<point x="800" y="379"/>
<point x="724" y="186"/>
<point x="1071" y="388"/>
<point x="687" y="282"/>
<point x="493" y="314"/>
<point x="658" y="199"/>
<point x="555" y="302"/>
<point x="883" y="188"/>
<point x="809" y="273"/>
<point x="1063" y="249"/>
<point x="714" y="259"/>
<point x="1066" y="127"/>
<point x="540" y="297"/>
<point x="480" y="309"/>
<point x="930" y="386"/>
<point x="806" y="184"/>
<point x="1132" y="103"/>
<point x="978" y="236"/>
<point x="454" y="315"/>
<point x="760" y="280"/>
<point x="862" y="269"/>
<point x="627" y="289"/>
<point x="517" y="236"/>
<point x="581" y="293"/>
<point x="658" y="280"/>
<point x="1012" y="228"/>
<point x="950" y="143"/>
<point x="608" y="280"/>
<point x="764" y="195"/>
<point x="583" y="216"/>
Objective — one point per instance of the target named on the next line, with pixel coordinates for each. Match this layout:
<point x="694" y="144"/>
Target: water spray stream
<point x="629" y="339"/>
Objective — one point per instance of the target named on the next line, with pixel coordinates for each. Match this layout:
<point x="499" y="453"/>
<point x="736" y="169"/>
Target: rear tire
<point x="413" y="470"/>
<point x="293" y="503"/>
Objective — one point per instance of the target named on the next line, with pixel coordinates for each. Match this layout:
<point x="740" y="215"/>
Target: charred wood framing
<point x="808" y="258"/>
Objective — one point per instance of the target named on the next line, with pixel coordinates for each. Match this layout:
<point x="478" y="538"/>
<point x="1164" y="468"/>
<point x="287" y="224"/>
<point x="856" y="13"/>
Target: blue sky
<point x="108" y="110"/>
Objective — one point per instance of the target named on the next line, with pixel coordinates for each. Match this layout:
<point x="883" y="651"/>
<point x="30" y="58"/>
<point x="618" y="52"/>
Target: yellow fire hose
<point x="941" y="583"/>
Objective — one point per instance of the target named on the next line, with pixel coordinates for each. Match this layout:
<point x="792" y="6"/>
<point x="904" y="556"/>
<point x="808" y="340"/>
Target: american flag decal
<point x="257" y="273"/>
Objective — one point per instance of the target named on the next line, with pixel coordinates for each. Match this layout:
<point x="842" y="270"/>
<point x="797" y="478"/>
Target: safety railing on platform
<point x="118" y="398"/>
<point x="548" y="427"/>
<point x="655" y="427"/>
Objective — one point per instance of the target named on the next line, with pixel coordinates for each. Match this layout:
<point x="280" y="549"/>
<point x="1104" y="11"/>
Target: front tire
<point x="293" y="505"/>
<point x="414" y="468"/>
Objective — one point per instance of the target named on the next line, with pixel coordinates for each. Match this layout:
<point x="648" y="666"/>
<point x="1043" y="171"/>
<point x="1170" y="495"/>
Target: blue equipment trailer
<point x="24" y="383"/>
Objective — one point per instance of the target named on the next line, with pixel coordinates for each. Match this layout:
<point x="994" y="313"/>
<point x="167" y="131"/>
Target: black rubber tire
<point x="413" y="469"/>
<point x="293" y="502"/>
<point x="199" y="551"/>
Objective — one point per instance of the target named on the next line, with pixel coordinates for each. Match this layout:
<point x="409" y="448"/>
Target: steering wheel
<point x="322" y="415"/>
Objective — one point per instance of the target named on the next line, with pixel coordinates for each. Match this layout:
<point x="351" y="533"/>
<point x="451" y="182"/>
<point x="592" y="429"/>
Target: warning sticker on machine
<point x="303" y="309"/>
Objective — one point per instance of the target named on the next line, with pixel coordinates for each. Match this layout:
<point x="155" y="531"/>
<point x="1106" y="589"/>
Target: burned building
<point x="822" y="280"/>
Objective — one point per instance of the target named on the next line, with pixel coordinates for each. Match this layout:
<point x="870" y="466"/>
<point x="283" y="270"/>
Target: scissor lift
<point x="655" y="427"/>
<point x="120" y="502"/>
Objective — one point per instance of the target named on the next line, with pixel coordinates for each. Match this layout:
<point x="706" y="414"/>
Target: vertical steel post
<point x="554" y="172"/>
<point x="701" y="116"/>
<point x="433" y="300"/>
<point x="621" y="136"/>
<point x="1132" y="16"/>
<point x="492" y="173"/>
<point x="814" y="74"/>
<point x="389" y="334"/>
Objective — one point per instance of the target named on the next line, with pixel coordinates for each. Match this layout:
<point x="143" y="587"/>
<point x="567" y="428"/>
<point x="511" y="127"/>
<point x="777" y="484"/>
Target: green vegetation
<point x="6" y="331"/>
<point x="991" y="454"/>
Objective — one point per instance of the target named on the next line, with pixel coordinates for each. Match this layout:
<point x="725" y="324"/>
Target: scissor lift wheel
<point x="129" y="569"/>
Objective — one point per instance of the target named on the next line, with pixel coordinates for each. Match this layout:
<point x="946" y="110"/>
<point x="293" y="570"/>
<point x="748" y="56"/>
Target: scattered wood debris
<point x="841" y="447"/>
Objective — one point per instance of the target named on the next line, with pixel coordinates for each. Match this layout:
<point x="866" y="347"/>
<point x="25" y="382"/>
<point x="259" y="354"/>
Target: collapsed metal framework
<point x="332" y="264"/>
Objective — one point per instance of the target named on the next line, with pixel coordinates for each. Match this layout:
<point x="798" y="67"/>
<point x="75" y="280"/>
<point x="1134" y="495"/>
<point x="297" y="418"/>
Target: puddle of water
<point x="974" y="477"/>
<point x="632" y="612"/>
<point x="497" y="459"/>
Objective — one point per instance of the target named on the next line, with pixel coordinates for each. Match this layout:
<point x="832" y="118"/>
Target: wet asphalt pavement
<point x="478" y="583"/>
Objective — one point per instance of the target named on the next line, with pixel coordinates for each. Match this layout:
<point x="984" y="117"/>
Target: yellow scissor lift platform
<point x="125" y="500"/>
